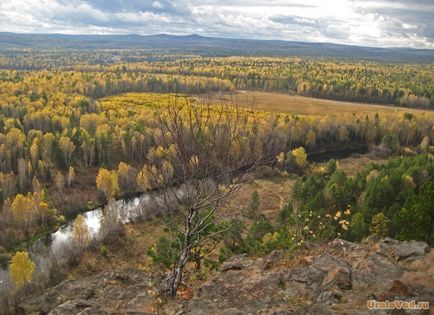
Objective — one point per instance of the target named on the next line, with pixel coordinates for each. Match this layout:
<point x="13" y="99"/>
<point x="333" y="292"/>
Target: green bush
<point x="164" y="252"/>
<point x="253" y="206"/>
<point x="379" y="225"/>
<point x="104" y="251"/>
<point x="358" y="227"/>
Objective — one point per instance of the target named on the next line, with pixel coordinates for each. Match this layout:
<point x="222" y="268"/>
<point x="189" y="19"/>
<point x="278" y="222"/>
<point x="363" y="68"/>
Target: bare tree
<point x="210" y="151"/>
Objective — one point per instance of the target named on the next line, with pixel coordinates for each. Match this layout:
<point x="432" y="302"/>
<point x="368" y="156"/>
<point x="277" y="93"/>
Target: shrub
<point x="103" y="250"/>
<point x="253" y="205"/>
<point x="379" y="225"/>
<point x="358" y="227"/>
<point x="164" y="252"/>
<point x="298" y="158"/>
<point x="331" y="167"/>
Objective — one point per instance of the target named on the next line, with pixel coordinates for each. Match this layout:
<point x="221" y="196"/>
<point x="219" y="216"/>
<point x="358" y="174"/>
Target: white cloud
<point x="361" y="22"/>
<point x="157" y="5"/>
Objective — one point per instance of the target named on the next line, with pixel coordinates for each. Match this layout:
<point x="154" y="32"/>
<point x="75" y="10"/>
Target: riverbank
<point x="274" y="192"/>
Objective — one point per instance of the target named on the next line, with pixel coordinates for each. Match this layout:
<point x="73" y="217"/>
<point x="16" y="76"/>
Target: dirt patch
<point x="273" y="195"/>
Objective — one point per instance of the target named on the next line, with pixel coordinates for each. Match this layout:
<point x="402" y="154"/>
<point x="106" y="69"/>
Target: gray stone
<point x="235" y="263"/>
<point x="343" y="245"/>
<point x="411" y="249"/>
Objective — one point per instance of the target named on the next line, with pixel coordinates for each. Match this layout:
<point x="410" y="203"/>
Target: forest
<point x="79" y="134"/>
<point x="408" y="85"/>
<point x="54" y="124"/>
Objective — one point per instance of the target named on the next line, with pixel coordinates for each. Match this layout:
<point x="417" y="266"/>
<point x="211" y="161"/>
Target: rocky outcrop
<point x="402" y="250"/>
<point x="127" y="292"/>
<point x="337" y="278"/>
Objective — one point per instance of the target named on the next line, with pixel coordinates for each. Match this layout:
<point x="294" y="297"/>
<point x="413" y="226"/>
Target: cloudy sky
<point x="404" y="23"/>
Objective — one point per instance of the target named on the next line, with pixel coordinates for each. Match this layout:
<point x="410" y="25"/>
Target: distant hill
<point x="211" y="46"/>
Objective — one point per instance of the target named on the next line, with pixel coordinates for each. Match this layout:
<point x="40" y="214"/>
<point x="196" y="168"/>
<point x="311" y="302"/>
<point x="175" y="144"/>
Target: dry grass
<point x="294" y="104"/>
<point x="129" y="251"/>
<point x="352" y="165"/>
<point x="273" y="194"/>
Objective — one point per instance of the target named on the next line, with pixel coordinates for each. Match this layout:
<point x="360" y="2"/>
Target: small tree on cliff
<point x="209" y="151"/>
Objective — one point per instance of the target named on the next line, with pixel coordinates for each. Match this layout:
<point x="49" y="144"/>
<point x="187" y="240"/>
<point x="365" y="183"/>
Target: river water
<point x="322" y="157"/>
<point x="58" y="246"/>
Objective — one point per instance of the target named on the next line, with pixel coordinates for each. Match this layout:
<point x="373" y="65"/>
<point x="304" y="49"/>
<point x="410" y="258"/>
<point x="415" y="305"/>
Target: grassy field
<point x="294" y="104"/>
<point x="142" y="100"/>
<point x="266" y="101"/>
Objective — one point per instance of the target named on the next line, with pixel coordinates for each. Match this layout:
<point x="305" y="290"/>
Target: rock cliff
<point x="337" y="278"/>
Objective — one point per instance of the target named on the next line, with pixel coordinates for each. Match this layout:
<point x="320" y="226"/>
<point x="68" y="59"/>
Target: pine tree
<point x="379" y="225"/>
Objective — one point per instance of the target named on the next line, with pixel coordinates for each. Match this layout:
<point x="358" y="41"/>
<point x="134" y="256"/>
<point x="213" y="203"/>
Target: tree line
<point x="350" y="80"/>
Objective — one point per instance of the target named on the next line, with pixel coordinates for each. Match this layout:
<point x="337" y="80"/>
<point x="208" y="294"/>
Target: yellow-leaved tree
<point x="21" y="269"/>
<point x="67" y="147"/>
<point x="149" y="178"/>
<point x="379" y="225"/>
<point x="80" y="231"/>
<point x="23" y="211"/>
<point x="107" y="182"/>
<point x="300" y="157"/>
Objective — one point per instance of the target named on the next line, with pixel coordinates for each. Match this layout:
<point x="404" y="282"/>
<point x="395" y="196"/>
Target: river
<point x="58" y="246"/>
<point x="321" y="157"/>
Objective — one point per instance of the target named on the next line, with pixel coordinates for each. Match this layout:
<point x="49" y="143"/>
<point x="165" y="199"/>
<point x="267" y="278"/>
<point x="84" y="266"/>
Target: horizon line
<point x="219" y="37"/>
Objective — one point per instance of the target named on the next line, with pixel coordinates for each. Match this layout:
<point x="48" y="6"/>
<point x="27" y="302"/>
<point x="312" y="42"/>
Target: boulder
<point x="247" y="290"/>
<point x="401" y="250"/>
<point x="411" y="249"/>
<point x="400" y="289"/>
<point x="235" y="263"/>
<point x="318" y="309"/>
<point x="344" y="246"/>
<point x="374" y="268"/>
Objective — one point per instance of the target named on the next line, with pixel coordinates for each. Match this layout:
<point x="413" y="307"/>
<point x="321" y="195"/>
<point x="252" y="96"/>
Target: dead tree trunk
<point x="176" y="275"/>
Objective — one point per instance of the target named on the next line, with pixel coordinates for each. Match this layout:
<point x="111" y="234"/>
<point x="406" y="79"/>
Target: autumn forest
<point x="84" y="130"/>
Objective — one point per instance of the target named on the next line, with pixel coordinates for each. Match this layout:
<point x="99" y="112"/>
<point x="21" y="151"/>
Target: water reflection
<point x="57" y="247"/>
<point x="52" y="253"/>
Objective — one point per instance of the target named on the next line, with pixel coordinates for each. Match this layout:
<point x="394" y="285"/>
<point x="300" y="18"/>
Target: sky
<point x="382" y="23"/>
